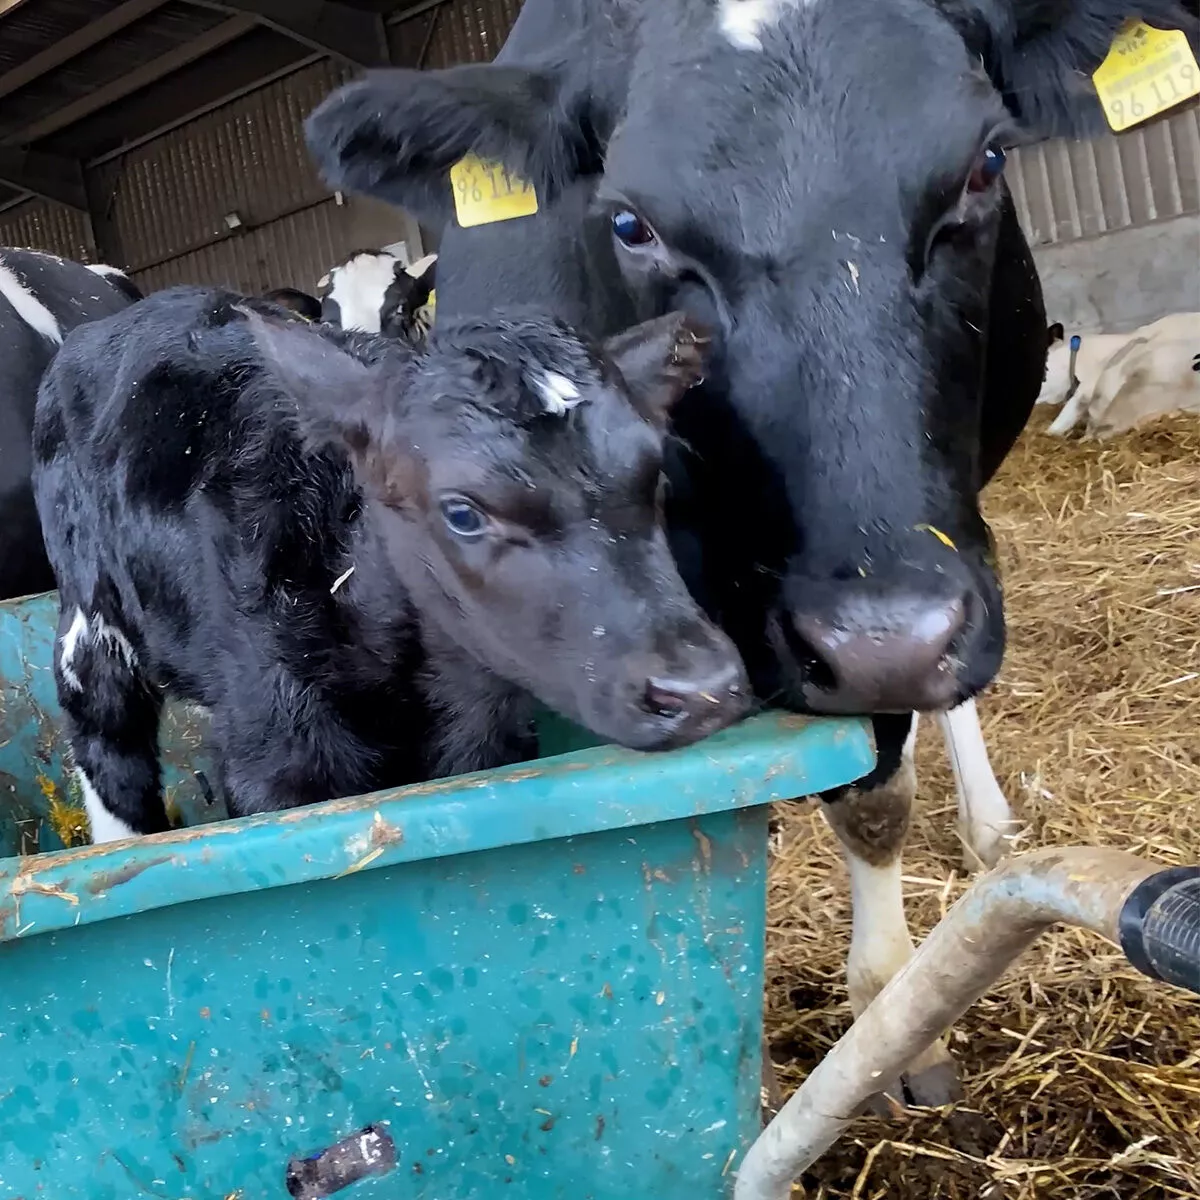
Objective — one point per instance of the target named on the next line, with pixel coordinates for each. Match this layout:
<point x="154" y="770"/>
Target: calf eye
<point x="630" y="230"/>
<point x="463" y="519"/>
<point x="987" y="169"/>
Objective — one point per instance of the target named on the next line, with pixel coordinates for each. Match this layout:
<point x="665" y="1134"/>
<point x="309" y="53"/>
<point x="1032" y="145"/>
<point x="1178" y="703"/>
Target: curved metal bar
<point x="979" y="938"/>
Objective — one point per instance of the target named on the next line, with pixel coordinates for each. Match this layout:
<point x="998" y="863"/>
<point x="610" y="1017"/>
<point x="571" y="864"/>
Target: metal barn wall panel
<point x="44" y="225"/>
<point x="1067" y="190"/>
<point x="293" y="251"/>
<point x="458" y="32"/>
<point x="169" y="197"/>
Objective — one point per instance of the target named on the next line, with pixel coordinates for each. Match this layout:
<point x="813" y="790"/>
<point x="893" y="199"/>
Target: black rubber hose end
<point x="1160" y="927"/>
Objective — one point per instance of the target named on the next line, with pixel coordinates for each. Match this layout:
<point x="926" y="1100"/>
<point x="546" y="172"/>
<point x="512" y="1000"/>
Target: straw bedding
<point x="1083" y="1079"/>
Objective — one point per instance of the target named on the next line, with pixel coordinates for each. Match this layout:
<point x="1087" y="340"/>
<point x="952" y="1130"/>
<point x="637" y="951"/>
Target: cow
<point x="1115" y="381"/>
<point x="820" y="182"/>
<point x="42" y="298"/>
<point x="378" y="292"/>
<point x="364" y="560"/>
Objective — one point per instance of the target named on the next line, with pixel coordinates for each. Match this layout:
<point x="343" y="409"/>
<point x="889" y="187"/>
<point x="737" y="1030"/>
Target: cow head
<point x="376" y="292"/>
<point x="820" y="181"/>
<point x="514" y="474"/>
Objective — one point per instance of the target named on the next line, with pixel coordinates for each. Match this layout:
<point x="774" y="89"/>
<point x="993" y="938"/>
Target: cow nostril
<point x="667" y="698"/>
<point x="812" y="666"/>
<point x="880" y="657"/>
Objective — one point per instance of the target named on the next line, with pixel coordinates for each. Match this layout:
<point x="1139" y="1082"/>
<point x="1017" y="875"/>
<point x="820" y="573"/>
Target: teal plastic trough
<point x="542" y="983"/>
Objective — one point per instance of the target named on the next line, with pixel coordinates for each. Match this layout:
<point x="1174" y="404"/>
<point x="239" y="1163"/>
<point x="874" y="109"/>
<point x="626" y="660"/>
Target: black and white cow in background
<point x="375" y="291"/>
<point x="364" y="559"/>
<point x="42" y="298"/>
<point x="820" y="183"/>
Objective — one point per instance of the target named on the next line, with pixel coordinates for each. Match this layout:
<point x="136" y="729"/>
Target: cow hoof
<point x="986" y="845"/>
<point x="931" y="1082"/>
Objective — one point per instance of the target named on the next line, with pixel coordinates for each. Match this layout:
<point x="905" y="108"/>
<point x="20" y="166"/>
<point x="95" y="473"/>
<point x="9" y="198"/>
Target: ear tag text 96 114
<point x="1147" y="71"/>
<point x="485" y="192"/>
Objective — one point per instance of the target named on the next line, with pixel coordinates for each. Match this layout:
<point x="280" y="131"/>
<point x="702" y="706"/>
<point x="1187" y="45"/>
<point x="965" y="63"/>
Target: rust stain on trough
<point x="104" y="881"/>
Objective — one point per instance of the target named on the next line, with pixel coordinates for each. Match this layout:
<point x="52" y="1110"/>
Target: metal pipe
<point x="1154" y="915"/>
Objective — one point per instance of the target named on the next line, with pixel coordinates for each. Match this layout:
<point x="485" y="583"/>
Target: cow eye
<point x="989" y="166"/>
<point x="463" y="518"/>
<point x="630" y="230"/>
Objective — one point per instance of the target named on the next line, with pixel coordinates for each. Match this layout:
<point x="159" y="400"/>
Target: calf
<point x="365" y="561"/>
<point x="42" y="298"/>
<point x="1124" y="379"/>
<point x="377" y="292"/>
<point x="822" y="183"/>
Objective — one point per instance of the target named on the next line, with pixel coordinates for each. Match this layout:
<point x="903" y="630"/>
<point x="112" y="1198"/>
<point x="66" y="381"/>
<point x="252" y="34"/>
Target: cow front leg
<point x="871" y="820"/>
<point x="985" y="820"/>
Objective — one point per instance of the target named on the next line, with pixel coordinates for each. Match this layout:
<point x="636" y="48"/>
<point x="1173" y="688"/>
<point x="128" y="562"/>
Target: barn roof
<point x="81" y="81"/>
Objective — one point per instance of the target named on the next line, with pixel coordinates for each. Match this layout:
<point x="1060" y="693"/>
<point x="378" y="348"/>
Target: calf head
<point x="375" y="292"/>
<point x="515" y="474"/>
<point x="821" y="181"/>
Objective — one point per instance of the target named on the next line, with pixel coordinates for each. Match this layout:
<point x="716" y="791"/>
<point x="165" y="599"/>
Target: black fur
<point x="73" y="294"/>
<point x="210" y="468"/>
<point x="309" y="307"/>
<point x="880" y="333"/>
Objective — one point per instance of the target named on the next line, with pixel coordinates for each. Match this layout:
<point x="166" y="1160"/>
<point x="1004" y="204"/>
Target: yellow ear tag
<point x="485" y="192"/>
<point x="1146" y="72"/>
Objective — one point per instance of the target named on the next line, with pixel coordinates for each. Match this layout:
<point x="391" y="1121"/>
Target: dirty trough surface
<point x="543" y="982"/>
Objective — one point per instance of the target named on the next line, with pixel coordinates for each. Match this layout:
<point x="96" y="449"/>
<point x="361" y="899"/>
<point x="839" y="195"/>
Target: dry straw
<point x="1083" y="1079"/>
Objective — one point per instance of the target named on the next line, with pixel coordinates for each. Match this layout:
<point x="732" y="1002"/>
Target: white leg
<point x="880" y="943"/>
<point x="1069" y="416"/>
<point x="105" y="827"/>
<point x="985" y="819"/>
<point x="871" y="825"/>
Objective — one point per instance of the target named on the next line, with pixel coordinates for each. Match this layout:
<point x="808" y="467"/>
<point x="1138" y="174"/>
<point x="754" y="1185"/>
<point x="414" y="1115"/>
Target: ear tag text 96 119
<point x="1147" y="71"/>
<point x="485" y="192"/>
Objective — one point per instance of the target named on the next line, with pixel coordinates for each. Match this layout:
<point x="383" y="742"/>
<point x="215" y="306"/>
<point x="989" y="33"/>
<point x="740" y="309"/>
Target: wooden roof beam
<point x="45" y="175"/>
<point x="327" y="26"/>
<point x="134" y="81"/>
<point x="76" y="43"/>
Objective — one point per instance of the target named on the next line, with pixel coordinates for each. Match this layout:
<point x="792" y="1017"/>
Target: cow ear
<point x="1041" y="56"/>
<point x="396" y="134"/>
<point x="659" y="360"/>
<point x="338" y="397"/>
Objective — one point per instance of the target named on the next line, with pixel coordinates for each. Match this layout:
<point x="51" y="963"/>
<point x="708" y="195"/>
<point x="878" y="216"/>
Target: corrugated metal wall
<point x="42" y="225"/>
<point x="159" y="210"/>
<point x="466" y="31"/>
<point x="1067" y="190"/>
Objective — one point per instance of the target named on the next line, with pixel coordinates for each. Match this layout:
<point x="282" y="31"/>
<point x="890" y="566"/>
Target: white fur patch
<point x="69" y="644"/>
<point x="105" y="826"/>
<point x="29" y="308"/>
<point x="985" y="817"/>
<point x="95" y="631"/>
<point x="558" y="393"/>
<point x="417" y="269"/>
<point x="744" y="21"/>
<point x="359" y="288"/>
<point x="104" y="270"/>
<point x="112" y="639"/>
<point x="880" y="943"/>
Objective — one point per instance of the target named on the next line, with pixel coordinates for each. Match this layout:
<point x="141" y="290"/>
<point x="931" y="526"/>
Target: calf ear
<point x="659" y="360"/>
<point x="339" y="398"/>
<point x="396" y="134"/>
<point x="1042" y="55"/>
